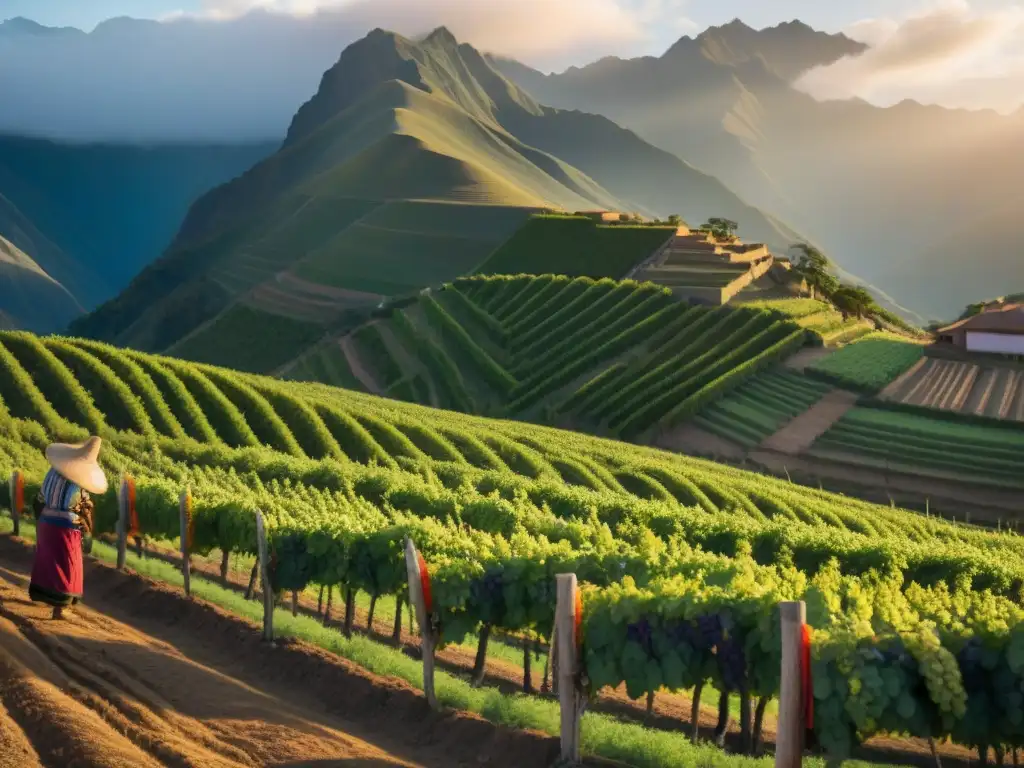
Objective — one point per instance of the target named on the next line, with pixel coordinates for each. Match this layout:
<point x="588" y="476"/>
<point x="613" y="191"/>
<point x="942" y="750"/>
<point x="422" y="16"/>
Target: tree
<point x="816" y="269"/>
<point x="675" y="220"/>
<point x="853" y="300"/>
<point x="722" y="229"/>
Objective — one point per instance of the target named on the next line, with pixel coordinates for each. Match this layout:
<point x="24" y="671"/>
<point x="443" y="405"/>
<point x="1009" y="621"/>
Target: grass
<point x="869" y="364"/>
<point x="248" y="339"/>
<point x="602" y="735"/>
<point x="575" y="246"/>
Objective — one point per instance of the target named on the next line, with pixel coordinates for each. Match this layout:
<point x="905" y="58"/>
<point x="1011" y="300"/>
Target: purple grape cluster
<point x="975" y="676"/>
<point x="488" y="594"/>
<point x="640" y="632"/>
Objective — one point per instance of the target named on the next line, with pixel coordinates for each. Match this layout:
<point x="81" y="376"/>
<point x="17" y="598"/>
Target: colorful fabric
<point x="57" y="569"/>
<point x="61" y="494"/>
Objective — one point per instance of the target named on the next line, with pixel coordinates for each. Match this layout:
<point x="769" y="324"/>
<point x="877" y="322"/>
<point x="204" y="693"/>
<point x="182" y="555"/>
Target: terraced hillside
<point x="697" y="266"/>
<point x="962" y="386"/>
<point x="760" y="407"/>
<point x="576" y="246"/>
<point x="945" y="448"/>
<point x="621" y="358"/>
<point x="342" y="477"/>
<point x="351" y="207"/>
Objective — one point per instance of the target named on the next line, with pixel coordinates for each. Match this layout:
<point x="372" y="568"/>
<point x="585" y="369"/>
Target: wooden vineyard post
<point x="122" y="523"/>
<point x="789" y="745"/>
<point x="566" y="648"/>
<point x="263" y="562"/>
<point x="17" y="490"/>
<point x="185" y="520"/>
<point x="420" y="601"/>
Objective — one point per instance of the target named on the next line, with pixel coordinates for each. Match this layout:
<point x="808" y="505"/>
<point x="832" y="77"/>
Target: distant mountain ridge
<point x="397" y="119"/>
<point x="91" y="216"/>
<point x="882" y="190"/>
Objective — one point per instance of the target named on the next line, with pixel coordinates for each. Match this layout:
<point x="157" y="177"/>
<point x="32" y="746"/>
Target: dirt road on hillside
<point x="144" y="677"/>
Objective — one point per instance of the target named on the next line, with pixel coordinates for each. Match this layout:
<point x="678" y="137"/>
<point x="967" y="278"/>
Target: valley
<point x="370" y="392"/>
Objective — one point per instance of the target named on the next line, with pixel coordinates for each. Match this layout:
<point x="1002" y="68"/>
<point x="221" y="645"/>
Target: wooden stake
<point x="327" y="608"/>
<point x="789" y="745"/>
<point x="225" y="563"/>
<point x="570" y="699"/>
<point x="15" y="481"/>
<point x="268" y="590"/>
<point x="427" y="634"/>
<point x="251" y="589"/>
<point x="184" y="514"/>
<point x="122" y="524"/>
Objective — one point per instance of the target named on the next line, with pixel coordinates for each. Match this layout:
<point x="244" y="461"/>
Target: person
<point x="64" y="512"/>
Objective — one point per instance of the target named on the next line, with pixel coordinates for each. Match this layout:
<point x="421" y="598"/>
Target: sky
<point x="957" y="53"/>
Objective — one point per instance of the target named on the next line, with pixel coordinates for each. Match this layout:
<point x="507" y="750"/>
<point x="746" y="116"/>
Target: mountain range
<point x="918" y="200"/>
<point x="428" y="121"/>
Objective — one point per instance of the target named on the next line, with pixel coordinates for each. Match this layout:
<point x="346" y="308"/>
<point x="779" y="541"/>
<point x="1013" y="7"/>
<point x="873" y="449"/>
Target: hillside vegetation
<point x="348" y="211"/>
<point x="662" y="543"/>
<point x="575" y="246"/>
<point x="613" y="357"/>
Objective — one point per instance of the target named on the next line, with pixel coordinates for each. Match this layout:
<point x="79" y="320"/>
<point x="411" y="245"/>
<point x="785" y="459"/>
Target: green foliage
<point x="942" y="448"/>
<point x="371" y="348"/>
<point x="227" y="422"/>
<point x="139" y="382"/>
<point x="453" y="332"/>
<point x="57" y="384"/>
<point x="120" y="407"/>
<point x="446" y="376"/>
<point x="183" y="406"/>
<point x="575" y="246"/>
<point x="869" y="364"/>
<point x="760" y="406"/>
<point x="249" y="339"/>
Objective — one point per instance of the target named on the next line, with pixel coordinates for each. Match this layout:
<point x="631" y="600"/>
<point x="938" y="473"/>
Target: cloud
<point x="949" y="53"/>
<point x="541" y="31"/>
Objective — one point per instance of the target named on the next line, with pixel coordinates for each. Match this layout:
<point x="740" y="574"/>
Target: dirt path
<point x="145" y="677"/>
<point x="348" y="348"/>
<point x="800" y="433"/>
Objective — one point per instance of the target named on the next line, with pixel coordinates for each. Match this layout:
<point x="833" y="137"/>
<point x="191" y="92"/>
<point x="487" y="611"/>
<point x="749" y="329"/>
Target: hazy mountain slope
<point x="397" y="119"/>
<point x="92" y="216"/>
<point x="30" y="297"/>
<point x="874" y="187"/>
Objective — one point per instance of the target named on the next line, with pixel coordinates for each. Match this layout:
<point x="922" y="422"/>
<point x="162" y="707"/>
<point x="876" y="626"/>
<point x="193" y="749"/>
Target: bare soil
<point x="690" y="439"/>
<point x="800" y="433"/>
<point x="143" y="676"/>
<point x="807" y="357"/>
<point x="348" y="348"/>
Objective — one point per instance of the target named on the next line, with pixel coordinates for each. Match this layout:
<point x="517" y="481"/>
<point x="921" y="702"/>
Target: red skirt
<point x="57" y="570"/>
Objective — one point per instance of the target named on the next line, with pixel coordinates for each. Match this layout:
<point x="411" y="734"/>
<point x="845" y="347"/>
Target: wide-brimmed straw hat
<point x="79" y="464"/>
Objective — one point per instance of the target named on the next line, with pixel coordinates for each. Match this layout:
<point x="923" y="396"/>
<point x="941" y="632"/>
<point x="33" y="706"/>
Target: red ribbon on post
<point x="805" y="676"/>
<point x="428" y="599"/>
<point x="578" y="619"/>
<point x="134" y="529"/>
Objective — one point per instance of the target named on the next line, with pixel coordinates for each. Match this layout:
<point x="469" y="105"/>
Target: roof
<point x="1002" y="318"/>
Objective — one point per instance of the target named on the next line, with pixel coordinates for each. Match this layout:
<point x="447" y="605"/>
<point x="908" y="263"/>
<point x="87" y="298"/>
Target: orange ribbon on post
<point x="807" y="683"/>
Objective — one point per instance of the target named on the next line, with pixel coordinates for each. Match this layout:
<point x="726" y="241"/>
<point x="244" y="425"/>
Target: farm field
<point x="944" y="448"/>
<point x="870" y="363"/>
<point x="972" y="389"/>
<point x="619" y="358"/>
<point x="575" y="246"/>
<point x="760" y="407"/>
<point x="492" y="504"/>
